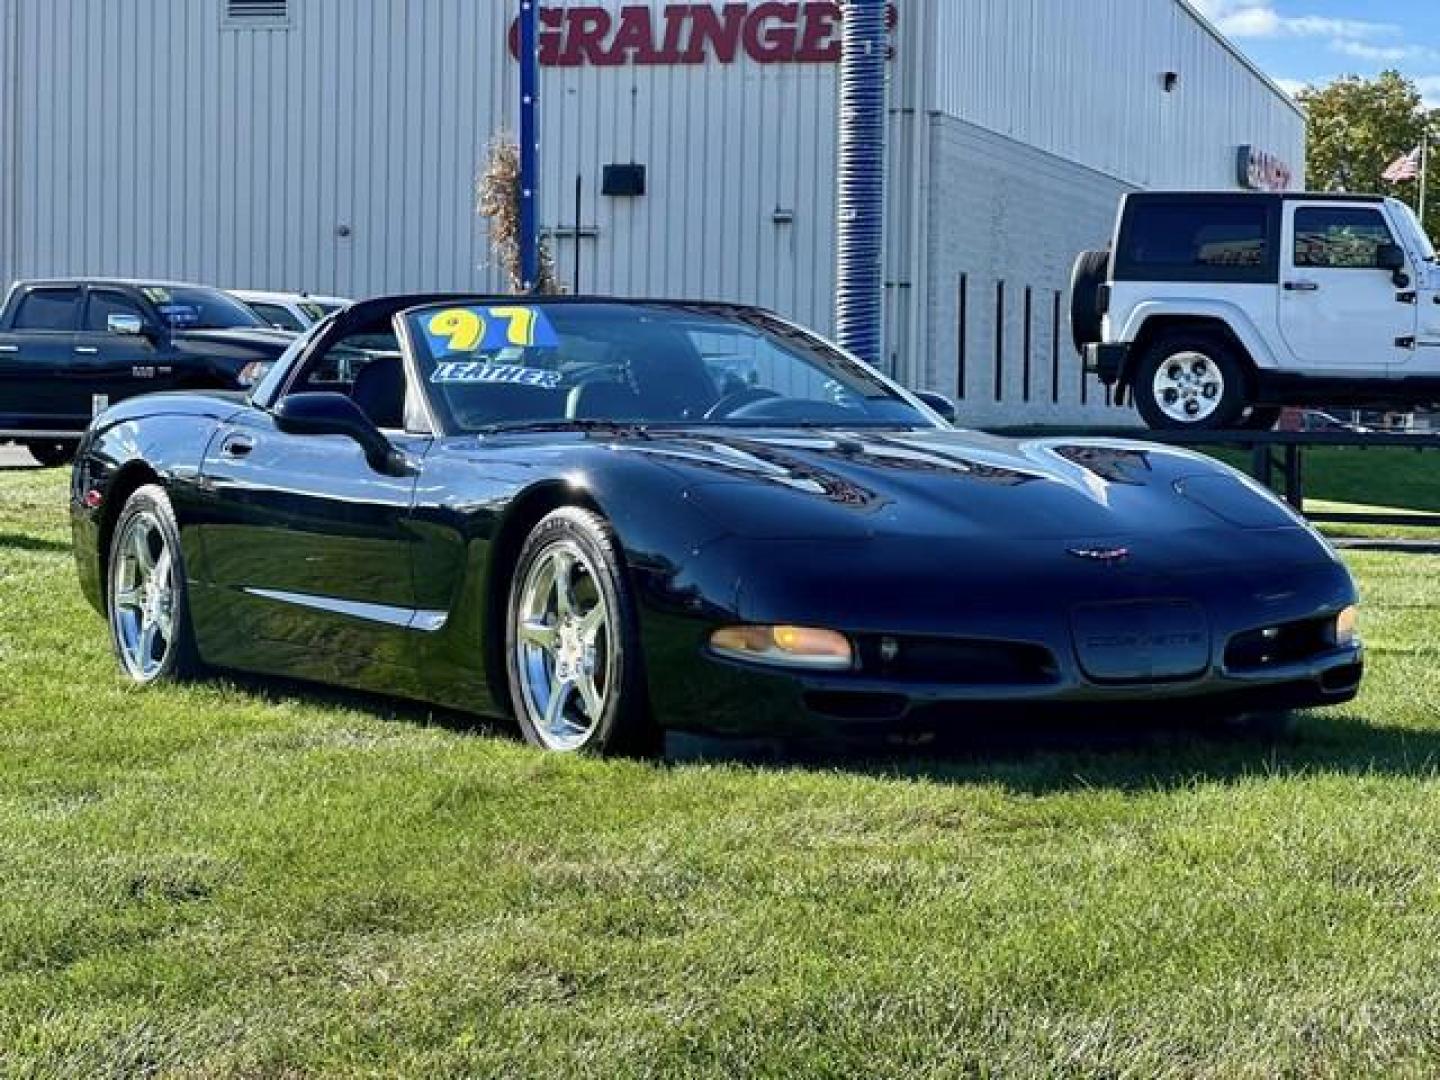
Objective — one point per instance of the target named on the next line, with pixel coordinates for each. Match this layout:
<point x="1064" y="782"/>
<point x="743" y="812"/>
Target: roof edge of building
<point x="1234" y="50"/>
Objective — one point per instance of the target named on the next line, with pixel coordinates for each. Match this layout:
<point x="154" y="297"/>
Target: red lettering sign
<point x="772" y="32"/>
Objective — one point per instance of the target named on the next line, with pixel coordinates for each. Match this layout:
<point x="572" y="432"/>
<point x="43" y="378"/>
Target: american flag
<point x="1403" y="168"/>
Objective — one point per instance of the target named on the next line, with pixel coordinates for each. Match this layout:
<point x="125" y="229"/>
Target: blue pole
<point x="860" y="181"/>
<point x="529" y="144"/>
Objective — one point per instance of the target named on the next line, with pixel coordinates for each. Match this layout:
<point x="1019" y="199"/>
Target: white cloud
<point x="1382" y="54"/>
<point x="1251" y="19"/>
<point x="1291" y="86"/>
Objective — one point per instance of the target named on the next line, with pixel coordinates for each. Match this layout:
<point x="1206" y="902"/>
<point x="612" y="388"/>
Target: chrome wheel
<point x="143" y="597"/>
<point x="564" y="646"/>
<point x="1189" y="387"/>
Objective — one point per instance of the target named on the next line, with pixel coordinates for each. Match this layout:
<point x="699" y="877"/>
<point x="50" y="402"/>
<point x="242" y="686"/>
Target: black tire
<point x="1091" y="270"/>
<point x="51" y="453"/>
<point x="1225" y="372"/>
<point x="181" y="660"/>
<point x="1261" y="418"/>
<point x="624" y="725"/>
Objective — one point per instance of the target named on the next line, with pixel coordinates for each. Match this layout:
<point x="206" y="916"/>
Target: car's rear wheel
<point x="146" y="595"/>
<point x="52" y="452"/>
<point x="572" y="644"/>
<point x="1189" y="383"/>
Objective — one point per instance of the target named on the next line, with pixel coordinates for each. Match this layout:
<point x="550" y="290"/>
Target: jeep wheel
<point x="1189" y="383"/>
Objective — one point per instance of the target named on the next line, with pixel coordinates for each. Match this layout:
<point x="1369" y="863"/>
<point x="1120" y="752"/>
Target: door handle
<point x="16" y="348"/>
<point x="86" y="350"/>
<point x="237" y="446"/>
<point x="1302" y="286"/>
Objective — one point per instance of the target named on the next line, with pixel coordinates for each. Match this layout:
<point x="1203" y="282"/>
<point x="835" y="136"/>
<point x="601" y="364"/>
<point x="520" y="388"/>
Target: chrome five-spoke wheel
<point x="564" y="646"/>
<point x="1189" y="387"/>
<point x="143" y="596"/>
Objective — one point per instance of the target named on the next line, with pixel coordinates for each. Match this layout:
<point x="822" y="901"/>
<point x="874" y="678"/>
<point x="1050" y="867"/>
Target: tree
<point x="497" y="198"/>
<point x="1358" y="127"/>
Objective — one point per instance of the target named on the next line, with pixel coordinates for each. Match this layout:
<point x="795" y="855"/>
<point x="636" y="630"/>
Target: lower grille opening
<point x="1276" y="646"/>
<point x="855" y="705"/>
<point x="957" y="661"/>
<point x="1342" y="678"/>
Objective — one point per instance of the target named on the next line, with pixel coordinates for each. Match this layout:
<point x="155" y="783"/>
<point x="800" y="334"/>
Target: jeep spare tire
<point x="1091" y="270"/>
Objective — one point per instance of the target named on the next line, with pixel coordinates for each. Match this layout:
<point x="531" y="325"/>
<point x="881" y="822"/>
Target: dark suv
<point x="69" y="348"/>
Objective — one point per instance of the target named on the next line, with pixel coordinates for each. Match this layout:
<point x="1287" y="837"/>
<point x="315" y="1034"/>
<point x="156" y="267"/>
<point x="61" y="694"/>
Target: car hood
<point x="259" y="338"/>
<point x="947" y="483"/>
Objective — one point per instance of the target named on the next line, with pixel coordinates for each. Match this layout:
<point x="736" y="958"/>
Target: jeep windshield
<point x="490" y="366"/>
<point x="1417" y="230"/>
<point x="192" y="307"/>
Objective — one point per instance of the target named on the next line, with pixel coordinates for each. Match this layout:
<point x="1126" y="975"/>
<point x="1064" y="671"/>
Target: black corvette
<point x="610" y="517"/>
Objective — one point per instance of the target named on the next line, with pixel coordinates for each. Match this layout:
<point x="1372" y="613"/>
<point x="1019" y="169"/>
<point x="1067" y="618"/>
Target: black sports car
<point x="609" y="517"/>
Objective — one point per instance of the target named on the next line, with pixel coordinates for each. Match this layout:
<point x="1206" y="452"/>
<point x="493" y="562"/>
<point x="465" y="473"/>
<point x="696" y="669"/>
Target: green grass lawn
<point x="239" y="880"/>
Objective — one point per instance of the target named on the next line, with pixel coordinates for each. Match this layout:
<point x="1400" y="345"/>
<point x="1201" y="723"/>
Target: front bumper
<point x="1106" y="361"/>
<point x="743" y="699"/>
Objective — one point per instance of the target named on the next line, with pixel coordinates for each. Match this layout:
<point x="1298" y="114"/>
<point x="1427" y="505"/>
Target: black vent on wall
<point x="257" y="12"/>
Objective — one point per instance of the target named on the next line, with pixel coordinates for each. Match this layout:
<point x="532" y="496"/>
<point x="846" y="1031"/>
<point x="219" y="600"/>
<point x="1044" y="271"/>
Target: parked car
<point x="1216" y="310"/>
<point x="68" y="346"/>
<point x="289" y="311"/>
<point x="560" y="508"/>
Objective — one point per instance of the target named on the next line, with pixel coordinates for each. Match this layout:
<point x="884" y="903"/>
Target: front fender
<point x="125" y="448"/>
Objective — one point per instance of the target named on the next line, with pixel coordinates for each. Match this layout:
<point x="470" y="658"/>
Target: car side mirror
<point x="940" y="404"/>
<point x="1391" y="257"/>
<point x="329" y="413"/>
<point x="129" y="325"/>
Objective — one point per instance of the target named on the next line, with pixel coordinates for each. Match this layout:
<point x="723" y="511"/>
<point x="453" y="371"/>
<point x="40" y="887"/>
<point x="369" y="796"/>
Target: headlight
<point x="785" y="646"/>
<point x="1344" y="632"/>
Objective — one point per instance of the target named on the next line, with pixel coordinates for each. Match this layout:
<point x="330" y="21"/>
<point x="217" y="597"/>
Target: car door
<point x="308" y="548"/>
<point x="120" y="365"/>
<point x="39" y="384"/>
<point x="1340" y="313"/>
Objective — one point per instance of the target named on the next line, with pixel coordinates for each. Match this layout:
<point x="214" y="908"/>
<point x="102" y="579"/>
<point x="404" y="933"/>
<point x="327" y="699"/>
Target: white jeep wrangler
<point x="1214" y="311"/>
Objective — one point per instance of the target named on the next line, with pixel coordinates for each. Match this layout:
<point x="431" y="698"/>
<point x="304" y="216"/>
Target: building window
<point x="256" y="14"/>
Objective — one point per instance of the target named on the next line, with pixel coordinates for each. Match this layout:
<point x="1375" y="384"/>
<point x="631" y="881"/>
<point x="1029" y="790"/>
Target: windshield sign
<point x="189" y="307"/>
<point x="516" y="364"/>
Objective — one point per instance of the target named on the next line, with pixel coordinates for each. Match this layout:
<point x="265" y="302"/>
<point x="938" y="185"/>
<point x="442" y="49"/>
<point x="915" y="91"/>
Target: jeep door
<point x="1341" y="313"/>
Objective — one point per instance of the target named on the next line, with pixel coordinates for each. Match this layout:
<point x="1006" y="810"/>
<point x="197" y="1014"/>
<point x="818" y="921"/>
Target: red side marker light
<point x="93" y="499"/>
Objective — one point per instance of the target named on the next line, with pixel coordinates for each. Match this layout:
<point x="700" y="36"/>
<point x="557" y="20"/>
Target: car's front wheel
<point x="1190" y="383"/>
<point x="572" y="645"/>
<point x="146" y="594"/>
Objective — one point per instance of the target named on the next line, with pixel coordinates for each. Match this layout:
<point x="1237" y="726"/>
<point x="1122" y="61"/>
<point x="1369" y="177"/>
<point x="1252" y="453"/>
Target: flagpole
<point x="1424" y="171"/>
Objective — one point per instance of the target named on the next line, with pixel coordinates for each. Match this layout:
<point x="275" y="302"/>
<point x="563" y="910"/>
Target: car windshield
<point x="190" y="307"/>
<point x="518" y="364"/>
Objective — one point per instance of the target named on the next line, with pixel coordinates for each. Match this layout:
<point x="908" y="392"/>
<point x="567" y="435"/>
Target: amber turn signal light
<point x="785" y="646"/>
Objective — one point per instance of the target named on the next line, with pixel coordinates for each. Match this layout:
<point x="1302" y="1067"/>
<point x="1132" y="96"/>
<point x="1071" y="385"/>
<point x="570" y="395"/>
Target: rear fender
<point x="1150" y="317"/>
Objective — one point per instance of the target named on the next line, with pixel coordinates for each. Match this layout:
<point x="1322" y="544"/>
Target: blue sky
<point x="1312" y="41"/>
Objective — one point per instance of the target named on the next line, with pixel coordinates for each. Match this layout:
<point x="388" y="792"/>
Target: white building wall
<point x="1083" y="80"/>
<point x="339" y="154"/>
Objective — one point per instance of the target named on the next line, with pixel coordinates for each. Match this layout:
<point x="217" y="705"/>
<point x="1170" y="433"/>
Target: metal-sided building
<point x="333" y="146"/>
